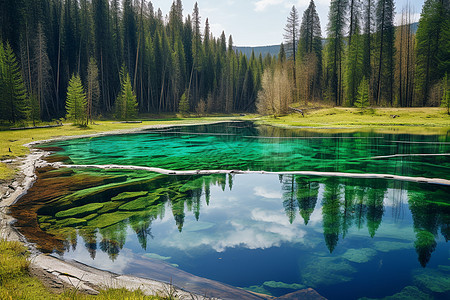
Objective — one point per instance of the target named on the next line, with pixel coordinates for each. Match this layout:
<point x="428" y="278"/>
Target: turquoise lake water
<point x="347" y="238"/>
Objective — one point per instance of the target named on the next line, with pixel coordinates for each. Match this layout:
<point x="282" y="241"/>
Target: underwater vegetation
<point x="327" y="233"/>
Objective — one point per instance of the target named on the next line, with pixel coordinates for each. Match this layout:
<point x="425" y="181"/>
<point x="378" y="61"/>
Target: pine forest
<point x="87" y="59"/>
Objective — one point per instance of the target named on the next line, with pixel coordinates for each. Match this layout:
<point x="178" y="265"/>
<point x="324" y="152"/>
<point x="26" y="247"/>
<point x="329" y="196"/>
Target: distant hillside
<point x="275" y="49"/>
<point x="264" y="50"/>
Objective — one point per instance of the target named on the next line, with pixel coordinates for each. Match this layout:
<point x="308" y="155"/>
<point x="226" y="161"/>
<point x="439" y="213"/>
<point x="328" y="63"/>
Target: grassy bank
<point x="416" y="118"/>
<point x="12" y="141"/>
<point x="16" y="282"/>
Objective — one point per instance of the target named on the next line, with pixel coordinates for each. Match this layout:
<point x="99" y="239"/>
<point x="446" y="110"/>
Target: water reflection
<point x="102" y="215"/>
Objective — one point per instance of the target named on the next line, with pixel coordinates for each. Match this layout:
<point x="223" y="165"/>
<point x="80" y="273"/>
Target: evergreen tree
<point x="291" y="34"/>
<point x="14" y="104"/>
<point x="354" y="54"/>
<point x="369" y="21"/>
<point x="385" y="50"/>
<point x="445" y="102"/>
<point x="310" y="50"/>
<point x="282" y="54"/>
<point x="183" y="107"/>
<point x="126" y="103"/>
<point x="93" y="90"/>
<point x="362" y="101"/>
<point x="433" y="53"/>
<point x="336" y="26"/>
<point x="76" y="101"/>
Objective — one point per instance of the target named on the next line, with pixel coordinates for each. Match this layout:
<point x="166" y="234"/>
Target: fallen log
<point x="305" y="173"/>
<point x="298" y="110"/>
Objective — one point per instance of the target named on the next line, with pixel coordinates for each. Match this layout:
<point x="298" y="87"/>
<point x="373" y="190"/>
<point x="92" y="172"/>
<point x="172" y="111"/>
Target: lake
<point x="348" y="238"/>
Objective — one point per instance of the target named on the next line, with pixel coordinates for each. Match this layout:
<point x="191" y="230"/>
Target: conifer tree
<point x="14" y="104"/>
<point x="291" y="34"/>
<point x="76" y="101"/>
<point x="336" y="26"/>
<point x="445" y="102"/>
<point x="183" y="106"/>
<point x="362" y="99"/>
<point x="385" y="50"/>
<point x="433" y="53"/>
<point x="126" y="103"/>
<point x="93" y="89"/>
<point x="368" y="17"/>
<point x="354" y="54"/>
<point x="310" y="51"/>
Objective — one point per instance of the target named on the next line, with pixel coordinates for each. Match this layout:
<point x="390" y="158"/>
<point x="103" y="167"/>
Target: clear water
<point x="347" y="238"/>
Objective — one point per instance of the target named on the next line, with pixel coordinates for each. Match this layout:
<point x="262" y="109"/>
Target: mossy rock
<point x="70" y="222"/>
<point x="140" y="203"/>
<point x="126" y="196"/>
<point x="79" y="211"/>
<point x="110" y="219"/>
<point x="110" y="206"/>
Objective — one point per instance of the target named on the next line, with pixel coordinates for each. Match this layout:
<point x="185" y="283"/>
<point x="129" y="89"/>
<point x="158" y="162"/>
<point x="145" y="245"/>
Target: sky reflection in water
<point x="347" y="238"/>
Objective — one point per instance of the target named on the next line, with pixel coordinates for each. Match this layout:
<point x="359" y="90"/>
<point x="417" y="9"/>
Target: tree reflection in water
<point x="345" y="203"/>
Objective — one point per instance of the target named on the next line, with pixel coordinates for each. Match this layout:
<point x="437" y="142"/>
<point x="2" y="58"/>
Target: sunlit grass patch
<point x="16" y="282"/>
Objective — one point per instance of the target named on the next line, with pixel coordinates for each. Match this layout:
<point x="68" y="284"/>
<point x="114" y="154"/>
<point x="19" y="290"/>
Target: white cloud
<point x="261" y="5"/>
<point x="266" y="193"/>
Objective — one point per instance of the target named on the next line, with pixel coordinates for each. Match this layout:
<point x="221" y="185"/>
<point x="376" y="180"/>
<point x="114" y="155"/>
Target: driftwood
<point x="298" y="110"/>
<point x="37" y="127"/>
<point x="305" y="173"/>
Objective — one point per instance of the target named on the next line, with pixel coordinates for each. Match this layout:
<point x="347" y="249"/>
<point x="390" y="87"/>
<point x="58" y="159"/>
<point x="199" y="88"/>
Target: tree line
<point x="165" y="57"/>
<point x="364" y="60"/>
<point x="175" y="64"/>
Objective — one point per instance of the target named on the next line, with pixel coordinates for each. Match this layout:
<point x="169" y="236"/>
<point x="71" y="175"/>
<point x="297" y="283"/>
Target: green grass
<point x="16" y="282"/>
<point x="15" y="140"/>
<point x="417" y="120"/>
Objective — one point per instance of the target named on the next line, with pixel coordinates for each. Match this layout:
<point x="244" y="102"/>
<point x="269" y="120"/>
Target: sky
<point x="259" y="22"/>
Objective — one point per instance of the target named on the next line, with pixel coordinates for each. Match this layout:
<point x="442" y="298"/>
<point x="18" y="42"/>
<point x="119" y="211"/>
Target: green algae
<point x="70" y="222"/>
<point x="140" y="203"/>
<point x="110" y="206"/>
<point x="408" y="293"/>
<point x="282" y="285"/>
<point x="432" y="280"/>
<point x="326" y="271"/>
<point x="109" y="219"/>
<point x="157" y="256"/>
<point x="388" y="246"/>
<point x="362" y="255"/>
<point x="79" y="211"/>
<point x="126" y="196"/>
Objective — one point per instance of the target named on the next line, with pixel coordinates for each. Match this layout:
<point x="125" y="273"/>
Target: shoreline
<point x="58" y="274"/>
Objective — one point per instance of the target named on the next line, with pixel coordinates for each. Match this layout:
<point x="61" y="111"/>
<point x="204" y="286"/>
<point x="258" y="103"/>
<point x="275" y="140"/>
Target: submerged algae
<point x="362" y="255"/>
<point x="408" y="293"/>
<point x="326" y="271"/>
